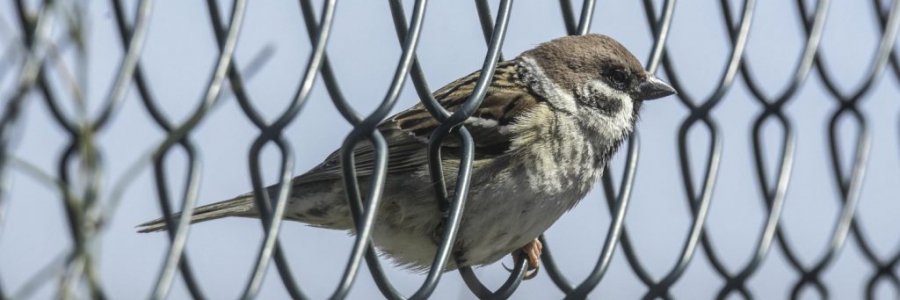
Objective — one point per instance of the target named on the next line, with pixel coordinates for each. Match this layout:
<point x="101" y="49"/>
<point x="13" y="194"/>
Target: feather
<point x="407" y="133"/>
<point x="240" y="206"/>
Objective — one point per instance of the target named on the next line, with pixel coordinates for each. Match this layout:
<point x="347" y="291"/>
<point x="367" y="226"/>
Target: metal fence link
<point x="849" y="181"/>
<point x="36" y="53"/>
<point x="886" y="269"/>
<point x="699" y="203"/>
<point x="773" y="191"/>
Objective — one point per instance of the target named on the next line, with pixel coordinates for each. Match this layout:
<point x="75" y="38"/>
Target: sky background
<point x="180" y="54"/>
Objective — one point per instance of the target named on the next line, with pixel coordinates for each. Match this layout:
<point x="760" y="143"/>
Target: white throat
<point x="613" y="126"/>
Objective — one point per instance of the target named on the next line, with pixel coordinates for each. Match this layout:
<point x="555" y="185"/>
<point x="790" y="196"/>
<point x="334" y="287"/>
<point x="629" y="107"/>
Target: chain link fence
<point x="48" y="36"/>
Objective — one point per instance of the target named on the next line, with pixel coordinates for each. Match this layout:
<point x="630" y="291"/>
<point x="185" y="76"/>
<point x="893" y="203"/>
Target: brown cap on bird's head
<point x="570" y="61"/>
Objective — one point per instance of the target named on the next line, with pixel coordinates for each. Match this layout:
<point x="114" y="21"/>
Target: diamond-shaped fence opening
<point x="734" y="190"/>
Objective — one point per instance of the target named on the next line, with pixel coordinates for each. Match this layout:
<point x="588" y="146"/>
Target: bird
<point x="549" y="123"/>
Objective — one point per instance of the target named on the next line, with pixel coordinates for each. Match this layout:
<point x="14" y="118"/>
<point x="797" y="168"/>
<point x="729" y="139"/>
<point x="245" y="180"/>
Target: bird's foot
<point x="533" y="251"/>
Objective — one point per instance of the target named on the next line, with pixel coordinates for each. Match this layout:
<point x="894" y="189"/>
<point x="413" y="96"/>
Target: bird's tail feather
<point x="241" y="206"/>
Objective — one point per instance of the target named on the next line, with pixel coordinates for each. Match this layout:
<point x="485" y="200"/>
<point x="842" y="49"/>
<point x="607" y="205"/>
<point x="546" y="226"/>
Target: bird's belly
<point x="499" y="218"/>
<point x="501" y="228"/>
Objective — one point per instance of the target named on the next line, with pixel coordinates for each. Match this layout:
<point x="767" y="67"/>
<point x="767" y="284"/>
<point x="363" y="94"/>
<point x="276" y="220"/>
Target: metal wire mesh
<point x="31" y="58"/>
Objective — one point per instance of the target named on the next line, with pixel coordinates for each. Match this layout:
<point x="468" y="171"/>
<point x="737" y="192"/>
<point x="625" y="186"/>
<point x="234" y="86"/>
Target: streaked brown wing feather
<point x="404" y="153"/>
<point x="407" y="132"/>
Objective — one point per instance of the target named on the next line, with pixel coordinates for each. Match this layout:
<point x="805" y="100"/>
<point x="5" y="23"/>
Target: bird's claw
<point x="531" y="273"/>
<point x="533" y="250"/>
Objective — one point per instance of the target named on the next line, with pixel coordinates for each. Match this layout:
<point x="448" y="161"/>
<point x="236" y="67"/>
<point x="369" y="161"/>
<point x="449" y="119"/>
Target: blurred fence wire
<point x="34" y="53"/>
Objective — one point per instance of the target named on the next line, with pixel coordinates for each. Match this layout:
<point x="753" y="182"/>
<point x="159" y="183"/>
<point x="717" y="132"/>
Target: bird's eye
<point x="618" y="76"/>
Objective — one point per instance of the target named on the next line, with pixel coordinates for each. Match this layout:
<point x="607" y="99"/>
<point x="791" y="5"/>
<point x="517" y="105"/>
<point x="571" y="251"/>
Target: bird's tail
<point x="242" y="206"/>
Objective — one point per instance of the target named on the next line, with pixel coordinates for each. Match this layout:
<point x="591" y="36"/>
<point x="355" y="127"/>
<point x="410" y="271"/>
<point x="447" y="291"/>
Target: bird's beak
<point x="653" y="88"/>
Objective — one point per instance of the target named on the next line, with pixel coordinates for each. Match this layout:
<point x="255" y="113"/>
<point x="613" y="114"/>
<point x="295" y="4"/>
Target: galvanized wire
<point x="86" y="209"/>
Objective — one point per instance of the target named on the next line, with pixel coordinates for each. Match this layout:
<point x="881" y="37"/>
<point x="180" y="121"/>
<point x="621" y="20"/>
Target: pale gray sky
<point x="180" y="53"/>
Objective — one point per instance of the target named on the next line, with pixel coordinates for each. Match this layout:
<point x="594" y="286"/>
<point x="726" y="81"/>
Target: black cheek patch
<point x="606" y="106"/>
<point x="609" y="106"/>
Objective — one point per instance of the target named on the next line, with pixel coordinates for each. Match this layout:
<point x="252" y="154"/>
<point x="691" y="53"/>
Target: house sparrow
<point x="549" y="123"/>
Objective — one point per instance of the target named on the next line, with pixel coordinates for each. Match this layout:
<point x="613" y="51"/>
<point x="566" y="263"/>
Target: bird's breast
<point x="559" y="156"/>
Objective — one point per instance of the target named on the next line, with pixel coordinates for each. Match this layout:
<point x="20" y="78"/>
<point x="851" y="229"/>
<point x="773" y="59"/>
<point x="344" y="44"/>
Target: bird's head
<point x="574" y="61"/>
<point x="593" y="76"/>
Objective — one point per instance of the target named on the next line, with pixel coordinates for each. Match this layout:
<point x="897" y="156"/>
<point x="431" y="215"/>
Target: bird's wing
<point x="407" y="132"/>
